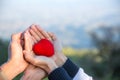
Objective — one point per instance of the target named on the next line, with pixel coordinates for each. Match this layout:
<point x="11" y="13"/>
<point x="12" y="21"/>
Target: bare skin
<point x="37" y="34"/>
<point x="16" y="58"/>
<point x="32" y="72"/>
<point x="16" y="63"/>
<point x="39" y="61"/>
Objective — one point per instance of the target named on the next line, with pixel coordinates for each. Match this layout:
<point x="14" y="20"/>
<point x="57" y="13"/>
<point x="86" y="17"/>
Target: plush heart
<point x="44" y="47"/>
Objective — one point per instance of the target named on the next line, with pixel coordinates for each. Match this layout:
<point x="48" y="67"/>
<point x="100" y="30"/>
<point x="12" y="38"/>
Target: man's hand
<point x="40" y="61"/>
<point x="32" y="72"/>
<point x="38" y="33"/>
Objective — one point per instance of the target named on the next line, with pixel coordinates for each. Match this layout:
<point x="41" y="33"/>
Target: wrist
<point x="9" y="70"/>
<point x="61" y="59"/>
<point x="42" y="74"/>
<point x="52" y="66"/>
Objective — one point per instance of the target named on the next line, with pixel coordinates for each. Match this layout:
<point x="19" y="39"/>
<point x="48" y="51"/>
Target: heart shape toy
<point x="44" y="48"/>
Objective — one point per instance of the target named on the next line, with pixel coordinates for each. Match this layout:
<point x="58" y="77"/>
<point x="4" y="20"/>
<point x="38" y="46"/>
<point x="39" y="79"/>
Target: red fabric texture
<point x="44" y="48"/>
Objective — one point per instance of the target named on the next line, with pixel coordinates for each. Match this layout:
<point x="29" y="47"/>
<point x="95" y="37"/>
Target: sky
<point x="17" y="15"/>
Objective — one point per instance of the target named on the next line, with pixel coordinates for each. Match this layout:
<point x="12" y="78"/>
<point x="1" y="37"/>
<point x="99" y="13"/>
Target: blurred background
<point x="88" y="29"/>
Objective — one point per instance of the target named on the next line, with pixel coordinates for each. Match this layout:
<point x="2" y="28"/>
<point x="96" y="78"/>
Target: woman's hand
<point x="33" y="73"/>
<point x="38" y="33"/>
<point x="16" y="63"/>
<point x="39" y="61"/>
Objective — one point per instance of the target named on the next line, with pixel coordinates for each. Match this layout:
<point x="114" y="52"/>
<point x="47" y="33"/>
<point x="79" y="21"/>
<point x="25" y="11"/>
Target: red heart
<point x="44" y="47"/>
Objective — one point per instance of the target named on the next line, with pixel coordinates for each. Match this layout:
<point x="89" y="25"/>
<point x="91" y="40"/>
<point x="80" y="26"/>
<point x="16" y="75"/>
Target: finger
<point x="30" y="57"/>
<point x="34" y="40"/>
<point x="44" y="33"/>
<point x="34" y="28"/>
<point x="32" y="77"/>
<point x="22" y="37"/>
<point x="52" y="36"/>
<point x="27" y="72"/>
<point x="40" y="74"/>
<point x="57" y="42"/>
<point x="36" y="60"/>
<point x="28" y="44"/>
<point x="34" y="35"/>
<point x="16" y="37"/>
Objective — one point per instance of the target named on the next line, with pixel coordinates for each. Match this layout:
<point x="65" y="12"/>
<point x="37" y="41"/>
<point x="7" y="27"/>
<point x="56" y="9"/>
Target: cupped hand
<point x="16" y="63"/>
<point x="40" y="61"/>
<point x="38" y="33"/>
<point x="33" y="73"/>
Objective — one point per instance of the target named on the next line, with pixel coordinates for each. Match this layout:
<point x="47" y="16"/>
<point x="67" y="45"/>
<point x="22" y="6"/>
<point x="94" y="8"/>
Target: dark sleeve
<point x="59" y="74"/>
<point x="71" y="68"/>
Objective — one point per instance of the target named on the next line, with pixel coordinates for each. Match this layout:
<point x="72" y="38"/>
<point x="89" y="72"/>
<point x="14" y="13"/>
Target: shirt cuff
<point x="71" y="68"/>
<point x="81" y="75"/>
<point x="59" y="74"/>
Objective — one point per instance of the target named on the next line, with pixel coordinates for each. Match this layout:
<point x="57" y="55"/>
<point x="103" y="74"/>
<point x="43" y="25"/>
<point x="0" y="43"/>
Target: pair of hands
<point x="22" y="58"/>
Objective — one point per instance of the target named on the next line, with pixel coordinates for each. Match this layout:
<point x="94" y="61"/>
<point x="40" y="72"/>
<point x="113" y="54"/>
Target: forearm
<point x="75" y="72"/>
<point x="2" y="76"/>
<point x="71" y="68"/>
<point x="9" y="70"/>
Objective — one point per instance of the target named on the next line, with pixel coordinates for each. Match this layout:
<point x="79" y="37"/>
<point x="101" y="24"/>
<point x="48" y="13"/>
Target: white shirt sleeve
<point x="81" y="75"/>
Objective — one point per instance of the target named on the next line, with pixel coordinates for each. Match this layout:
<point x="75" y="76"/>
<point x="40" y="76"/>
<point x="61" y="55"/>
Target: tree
<point x="107" y="41"/>
<point x="3" y="51"/>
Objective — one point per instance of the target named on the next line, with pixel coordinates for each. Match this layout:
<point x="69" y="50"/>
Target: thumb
<point x="16" y="37"/>
<point x="28" y="44"/>
<point x="30" y="57"/>
<point x="36" y="60"/>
